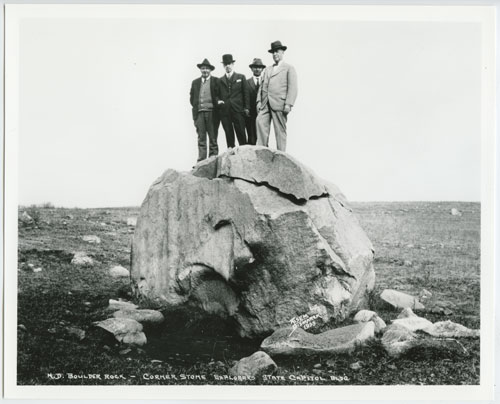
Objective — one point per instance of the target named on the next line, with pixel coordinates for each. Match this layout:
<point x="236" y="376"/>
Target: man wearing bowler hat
<point x="204" y="97"/>
<point x="233" y="103"/>
<point x="275" y="98"/>
<point x="253" y="86"/>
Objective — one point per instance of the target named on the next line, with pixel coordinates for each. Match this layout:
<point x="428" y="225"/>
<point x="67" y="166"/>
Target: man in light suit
<point x="253" y="86"/>
<point x="275" y="98"/>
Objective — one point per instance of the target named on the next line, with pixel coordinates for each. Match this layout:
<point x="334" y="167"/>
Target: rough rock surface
<point x="398" y="339"/>
<point x="255" y="365"/>
<point x="296" y="341"/>
<point x="254" y="235"/>
<point x="143" y="316"/>
<point x="363" y="316"/>
<point x="400" y="300"/>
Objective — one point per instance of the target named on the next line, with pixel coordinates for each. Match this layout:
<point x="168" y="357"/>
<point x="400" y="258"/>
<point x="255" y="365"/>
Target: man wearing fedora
<point x="204" y="97"/>
<point x="275" y="98"/>
<point x="253" y="86"/>
<point x="233" y="103"/>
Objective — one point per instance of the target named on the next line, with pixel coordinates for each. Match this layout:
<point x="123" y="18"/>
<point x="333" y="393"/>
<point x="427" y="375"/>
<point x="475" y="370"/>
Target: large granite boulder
<point x="254" y="235"/>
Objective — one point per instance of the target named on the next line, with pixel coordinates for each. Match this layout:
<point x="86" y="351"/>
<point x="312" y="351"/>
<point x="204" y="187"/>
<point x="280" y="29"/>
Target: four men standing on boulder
<point x="238" y="103"/>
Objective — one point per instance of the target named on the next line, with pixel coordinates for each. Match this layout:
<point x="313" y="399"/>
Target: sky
<point x="386" y="110"/>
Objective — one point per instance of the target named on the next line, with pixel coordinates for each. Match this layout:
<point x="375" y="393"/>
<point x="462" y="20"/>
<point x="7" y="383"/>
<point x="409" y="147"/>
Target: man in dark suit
<point x="204" y="97"/>
<point x="253" y="86"/>
<point x="233" y="103"/>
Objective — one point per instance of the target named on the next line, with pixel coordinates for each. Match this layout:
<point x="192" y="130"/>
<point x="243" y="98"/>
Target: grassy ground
<point x="418" y="246"/>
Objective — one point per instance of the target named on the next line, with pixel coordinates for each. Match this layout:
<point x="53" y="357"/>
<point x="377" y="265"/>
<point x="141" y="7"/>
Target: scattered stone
<point x="121" y="305"/>
<point x="392" y="366"/>
<point x="318" y="365"/>
<point x="103" y="224"/>
<point x="125" y="351"/>
<point x="255" y="365"/>
<point x="119" y="271"/>
<point x="356" y="365"/>
<point x="408" y="263"/>
<point x="456" y="212"/>
<point x="132" y="221"/>
<point x="106" y="348"/>
<point x="413" y="323"/>
<point x="400" y="300"/>
<point x="31" y="266"/>
<point x="37" y="269"/>
<point x="410" y="246"/>
<point x="52" y="330"/>
<point x="364" y="316"/>
<point x="156" y="361"/>
<point x="88" y="304"/>
<point x="310" y="247"/>
<point x="290" y="341"/>
<point x="330" y="363"/>
<point x="22" y="327"/>
<point x="449" y="329"/>
<point x="75" y="332"/>
<point x="447" y="312"/>
<point x="317" y="372"/>
<point x="424" y="294"/>
<point x="81" y="258"/>
<point x="70" y="217"/>
<point x="91" y="239"/>
<point x="125" y="330"/>
<point x="143" y="316"/>
<point x="398" y="340"/>
<point x="26" y="219"/>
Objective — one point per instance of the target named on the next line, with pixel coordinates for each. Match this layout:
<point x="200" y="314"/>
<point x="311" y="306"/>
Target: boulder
<point x="296" y="341"/>
<point x="400" y="300"/>
<point x="253" y="235"/>
<point x="413" y="323"/>
<point x="143" y="316"/>
<point x="449" y="329"/>
<point x="118" y="271"/>
<point x="82" y="259"/>
<point x="255" y="365"/>
<point x="364" y="316"/>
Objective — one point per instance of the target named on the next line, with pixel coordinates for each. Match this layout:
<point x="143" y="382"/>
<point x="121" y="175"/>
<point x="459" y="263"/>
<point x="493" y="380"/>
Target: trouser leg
<point x="263" y="123"/>
<point x="212" y="135"/>
<point x="279" y="123"/>
<point x="202" y="136"/>
<point x="239" y="126"/>
<point x="251" y="130"/>
<point x="228" y="129"/>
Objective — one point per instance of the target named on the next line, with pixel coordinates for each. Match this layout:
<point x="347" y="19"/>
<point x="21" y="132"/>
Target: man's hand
<point x="287" y="109"/>
<point x="247" y="112"/>
<point x="221" y="102"/>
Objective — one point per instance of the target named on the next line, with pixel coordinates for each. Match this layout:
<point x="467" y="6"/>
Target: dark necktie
<point x="258" y="83"/>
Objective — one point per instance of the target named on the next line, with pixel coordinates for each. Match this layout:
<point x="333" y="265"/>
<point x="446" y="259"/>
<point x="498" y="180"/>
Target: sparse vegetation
<point x="418" y="245"/>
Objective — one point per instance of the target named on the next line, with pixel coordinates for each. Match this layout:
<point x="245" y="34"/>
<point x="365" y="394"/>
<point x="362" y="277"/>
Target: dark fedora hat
<point x="227" y="59"/>
<point x="205" y="63"/>
<point x="275" y="46"/>
<point x="257" y="63"/>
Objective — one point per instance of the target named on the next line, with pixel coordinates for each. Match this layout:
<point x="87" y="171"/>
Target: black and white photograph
<point x="227" y="201"/>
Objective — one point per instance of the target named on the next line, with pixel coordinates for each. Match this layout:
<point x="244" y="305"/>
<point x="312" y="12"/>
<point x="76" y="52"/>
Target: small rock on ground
<point x="121" y="305"/>
<point x="400" y="300"/>
<point x="118" y="271"/>
<point x="143" y="316"/>
<point x="255" y="365"/>
<point x="92" y="239"/>
<point x="81" y="258"/>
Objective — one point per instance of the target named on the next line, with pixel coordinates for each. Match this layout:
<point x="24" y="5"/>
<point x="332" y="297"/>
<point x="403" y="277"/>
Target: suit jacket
<point x="194" y="94"/>
<point x="234" y="93"/>
<point x="252" y="96"/>
<point x="278" y="88"/>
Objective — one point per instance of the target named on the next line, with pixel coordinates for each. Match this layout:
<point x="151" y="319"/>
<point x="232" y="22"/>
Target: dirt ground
<point x="419" y="245"/>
